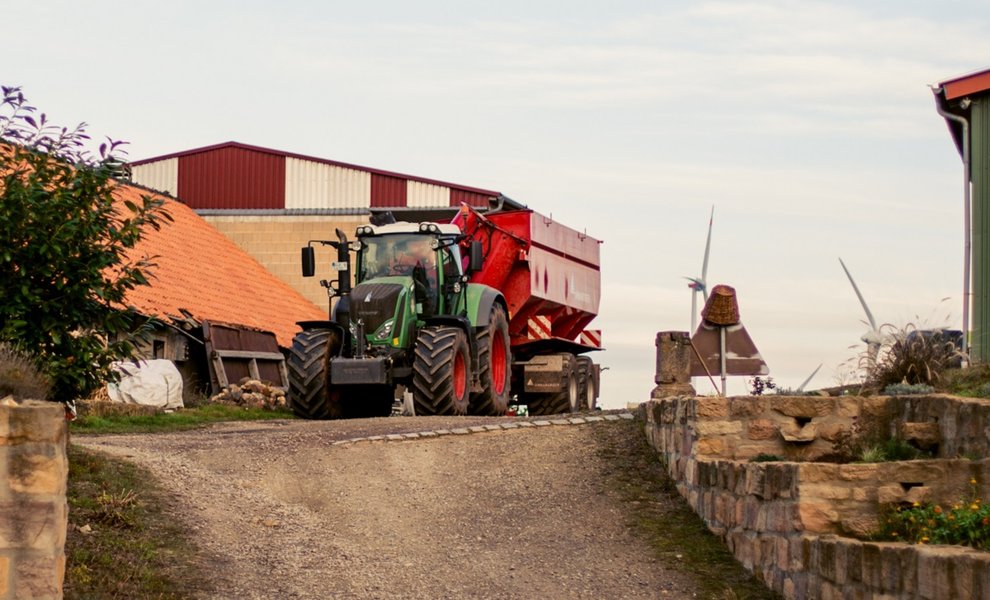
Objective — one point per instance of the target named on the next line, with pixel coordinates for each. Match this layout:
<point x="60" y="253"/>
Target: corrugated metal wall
<point x="161" y="175"/>
<point x="980" y="176"/>
<point x="423" y="195"/>
<point x="311" y="184"/>
<point x="471" y="198"/>
<point x="387" y="191"/>
<point x="232" y="178"/>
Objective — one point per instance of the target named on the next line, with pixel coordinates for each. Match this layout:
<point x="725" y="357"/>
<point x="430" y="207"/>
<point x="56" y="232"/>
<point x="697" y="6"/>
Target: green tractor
<point x="412" y="318"/>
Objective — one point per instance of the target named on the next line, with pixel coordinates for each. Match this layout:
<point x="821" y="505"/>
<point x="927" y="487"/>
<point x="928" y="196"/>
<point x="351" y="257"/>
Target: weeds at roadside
<point x="120" y="542"/>
<point x="183" y="419"/>
<point x="678" y="536"/>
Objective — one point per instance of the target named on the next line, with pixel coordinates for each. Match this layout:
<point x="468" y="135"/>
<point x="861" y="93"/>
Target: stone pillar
<point x="673" y="375"/>
<point x="33" y="510"/>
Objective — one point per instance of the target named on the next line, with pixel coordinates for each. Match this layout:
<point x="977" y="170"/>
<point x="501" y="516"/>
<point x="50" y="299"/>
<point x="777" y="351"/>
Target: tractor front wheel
<point x="441" y="372"/>
<point x="310" y="397"/>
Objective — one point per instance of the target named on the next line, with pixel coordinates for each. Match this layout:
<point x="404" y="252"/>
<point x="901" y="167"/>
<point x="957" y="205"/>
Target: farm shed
<point x="271" y="202"/>
<point x="964" y="102"/>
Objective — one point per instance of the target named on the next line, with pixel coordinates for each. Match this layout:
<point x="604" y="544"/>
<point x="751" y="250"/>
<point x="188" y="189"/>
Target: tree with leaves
<point x="65" y="267"/>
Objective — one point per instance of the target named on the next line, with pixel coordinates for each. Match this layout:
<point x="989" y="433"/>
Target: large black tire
<point x="441" y="372"/>
<point x="309" y="360"/>
<point x="495" y="366"/>
<point x="587" y="385"/>
<point x="566" y="398"/>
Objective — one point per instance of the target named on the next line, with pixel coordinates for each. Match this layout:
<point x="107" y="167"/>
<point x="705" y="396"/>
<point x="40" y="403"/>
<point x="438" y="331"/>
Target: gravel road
<point x="280" y="511"/>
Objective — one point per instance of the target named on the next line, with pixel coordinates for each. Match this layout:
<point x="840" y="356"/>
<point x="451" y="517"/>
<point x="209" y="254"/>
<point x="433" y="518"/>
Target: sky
<point x="810" y="128"/>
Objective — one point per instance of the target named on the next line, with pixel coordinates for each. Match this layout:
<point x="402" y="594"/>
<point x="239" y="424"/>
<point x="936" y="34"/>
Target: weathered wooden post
<point x="673" y="374"/>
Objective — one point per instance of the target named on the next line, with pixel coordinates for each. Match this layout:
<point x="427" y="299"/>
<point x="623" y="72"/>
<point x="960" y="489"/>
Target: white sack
<point x="150" y="382"/>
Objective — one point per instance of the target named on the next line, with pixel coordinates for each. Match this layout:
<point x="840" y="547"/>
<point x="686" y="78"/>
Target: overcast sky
<point x="808" y="125"/>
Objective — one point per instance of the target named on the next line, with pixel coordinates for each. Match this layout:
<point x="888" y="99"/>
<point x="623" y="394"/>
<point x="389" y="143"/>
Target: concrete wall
<point x="275" y="240"/>
<point x="33" y="509"/>
<point x="781" y="519"/>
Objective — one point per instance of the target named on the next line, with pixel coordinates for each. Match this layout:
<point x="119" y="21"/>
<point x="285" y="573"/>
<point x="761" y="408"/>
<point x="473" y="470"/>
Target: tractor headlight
<point x="385" y="330"/>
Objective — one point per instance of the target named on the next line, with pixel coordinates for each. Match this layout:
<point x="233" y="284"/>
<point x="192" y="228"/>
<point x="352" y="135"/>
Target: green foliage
<point x="64" y="266"/>
<point x="908" y="389"/>
<point x="910" y="356"/>
<point x="965" y="523"/>
<point x="187" y="418"/>
<point x="871" y="442"/>
<point x="20" y="377"/>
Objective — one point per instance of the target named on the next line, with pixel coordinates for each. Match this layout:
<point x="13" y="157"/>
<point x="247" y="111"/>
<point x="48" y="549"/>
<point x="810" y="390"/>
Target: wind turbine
<point x="810" y="377"/>
<point x="700" y="284"/>
<point x="873" y="338"/>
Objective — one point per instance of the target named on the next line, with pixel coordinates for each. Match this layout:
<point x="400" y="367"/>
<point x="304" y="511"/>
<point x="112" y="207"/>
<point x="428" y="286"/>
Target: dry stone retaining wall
<point x="782" y="520"/>
<point x="33" y="509"/>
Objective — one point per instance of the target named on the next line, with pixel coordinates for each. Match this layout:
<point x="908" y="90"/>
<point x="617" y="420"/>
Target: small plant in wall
<point x="965" y="523"/>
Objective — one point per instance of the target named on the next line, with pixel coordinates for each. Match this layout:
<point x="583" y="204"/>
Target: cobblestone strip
<point x="402" y="437"/>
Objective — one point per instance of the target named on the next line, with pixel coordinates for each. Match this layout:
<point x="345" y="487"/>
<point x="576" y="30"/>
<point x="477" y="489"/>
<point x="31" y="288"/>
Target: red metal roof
<point x="282" y="153"/>
<point x="201" y="271"/>
<point x="966" y="85"/>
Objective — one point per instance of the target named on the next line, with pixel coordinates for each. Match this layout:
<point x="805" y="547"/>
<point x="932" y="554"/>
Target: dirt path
<point x="286" y="513"/>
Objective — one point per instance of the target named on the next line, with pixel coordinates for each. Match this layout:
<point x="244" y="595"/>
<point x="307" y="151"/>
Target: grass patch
<point x="182" y="419"/>
<point x="677" y="535"/>
<point x="133" y="549"/>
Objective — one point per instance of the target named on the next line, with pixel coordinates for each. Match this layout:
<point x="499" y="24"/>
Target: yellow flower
<point x="916" y="504"/>
<point x="952" y="517"/>
<point x="974" y="506"/>
<point x="938" y="510"/>
<point x="972" y="481"/>
<point x="923" y="540"/>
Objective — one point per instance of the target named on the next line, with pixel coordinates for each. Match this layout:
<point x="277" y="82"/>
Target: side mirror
<point x="475" y="259"/>
<point x="308" y="261"/>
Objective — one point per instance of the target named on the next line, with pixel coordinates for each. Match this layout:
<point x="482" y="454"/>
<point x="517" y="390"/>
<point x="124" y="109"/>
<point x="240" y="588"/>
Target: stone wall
<point x="33" y="509"/>
<point x="781" y="519"/>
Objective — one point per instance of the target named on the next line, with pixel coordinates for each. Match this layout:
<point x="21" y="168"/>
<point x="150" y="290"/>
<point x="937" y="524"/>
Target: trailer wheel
<point x="495" y="361"/>
<point x="566" y="398"/>
<point x="309" y="360"/>
<point x="587" y="389"/>
<point x="441" y="372"/>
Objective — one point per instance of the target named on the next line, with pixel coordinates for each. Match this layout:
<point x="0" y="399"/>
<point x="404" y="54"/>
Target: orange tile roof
<point x="201" y="271"/>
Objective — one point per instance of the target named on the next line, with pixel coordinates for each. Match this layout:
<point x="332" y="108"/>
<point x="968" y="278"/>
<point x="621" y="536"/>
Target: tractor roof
<point x="404" y="227"/>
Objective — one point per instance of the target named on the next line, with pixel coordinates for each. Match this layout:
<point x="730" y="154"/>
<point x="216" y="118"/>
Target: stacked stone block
<point x="781" y="519"/>
<point x="33" y="509"/>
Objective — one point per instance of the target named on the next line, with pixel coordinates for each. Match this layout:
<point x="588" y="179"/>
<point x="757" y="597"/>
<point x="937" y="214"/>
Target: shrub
<point x="64" y="265"/>
<point x="965" y="523"/>
<point x="910" y="356"/>
<point x="20" y="377"/>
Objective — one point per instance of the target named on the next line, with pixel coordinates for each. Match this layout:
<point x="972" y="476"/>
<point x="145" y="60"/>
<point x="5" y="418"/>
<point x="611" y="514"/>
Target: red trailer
<point x="550" y="276"/>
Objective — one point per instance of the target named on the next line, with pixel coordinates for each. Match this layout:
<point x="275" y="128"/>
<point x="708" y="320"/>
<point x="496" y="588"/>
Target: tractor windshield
<point x="397" y="254"/>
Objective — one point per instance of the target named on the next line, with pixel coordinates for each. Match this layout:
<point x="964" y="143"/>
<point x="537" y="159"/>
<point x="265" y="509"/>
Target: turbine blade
<point x="708" y="247"/>
<point x="810" y="377"/>
<point x="869" y="315"/>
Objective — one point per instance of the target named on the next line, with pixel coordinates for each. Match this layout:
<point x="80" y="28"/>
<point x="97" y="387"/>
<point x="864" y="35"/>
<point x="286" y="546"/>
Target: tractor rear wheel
<point x="566" y="398"/>
<point x="309" y="361"/>
<point x="441" y="372"/>
<point x="587" y="389"/>
<point x="495" y="363"/>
